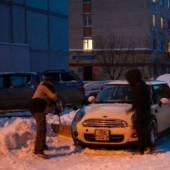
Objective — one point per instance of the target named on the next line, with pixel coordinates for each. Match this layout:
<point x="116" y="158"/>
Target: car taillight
<point x="82" y="89"/>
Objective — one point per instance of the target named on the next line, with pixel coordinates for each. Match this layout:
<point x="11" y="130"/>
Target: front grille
<point x="105" y="123"/>
<point x="112" y="138"/>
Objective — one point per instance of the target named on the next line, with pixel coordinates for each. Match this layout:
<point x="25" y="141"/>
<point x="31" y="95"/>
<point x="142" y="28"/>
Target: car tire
<point x="77" y="144"/>
<point x="152" y="132"/>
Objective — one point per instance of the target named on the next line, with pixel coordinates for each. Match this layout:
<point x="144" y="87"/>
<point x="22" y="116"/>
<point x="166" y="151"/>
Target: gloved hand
<point x="58" y="107"/>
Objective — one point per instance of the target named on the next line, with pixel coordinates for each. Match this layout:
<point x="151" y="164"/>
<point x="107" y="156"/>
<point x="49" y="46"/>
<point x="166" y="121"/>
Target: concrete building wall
<point x="14" y="57"/>
<point x="42" y="25"/>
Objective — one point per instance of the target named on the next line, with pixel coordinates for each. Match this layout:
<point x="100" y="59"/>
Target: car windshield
<point x="115" y="93"/>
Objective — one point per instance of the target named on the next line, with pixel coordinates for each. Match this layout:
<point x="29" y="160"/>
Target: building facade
<point x="132" y="33"/>
<point x="39" y="25"/>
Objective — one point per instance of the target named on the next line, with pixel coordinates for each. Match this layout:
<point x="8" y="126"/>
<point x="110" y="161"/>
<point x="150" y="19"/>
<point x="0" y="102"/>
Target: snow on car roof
<point x="148" y="82"/>
<point x="164" y="77"/>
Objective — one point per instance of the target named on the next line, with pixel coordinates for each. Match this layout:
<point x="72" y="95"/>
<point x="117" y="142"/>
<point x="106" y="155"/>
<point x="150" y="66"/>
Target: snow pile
<point x="17" y="133"/>
<point x="66" y="119"/>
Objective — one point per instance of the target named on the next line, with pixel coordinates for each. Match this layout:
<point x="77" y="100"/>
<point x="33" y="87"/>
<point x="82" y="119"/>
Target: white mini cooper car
<point x="105" y="120"/>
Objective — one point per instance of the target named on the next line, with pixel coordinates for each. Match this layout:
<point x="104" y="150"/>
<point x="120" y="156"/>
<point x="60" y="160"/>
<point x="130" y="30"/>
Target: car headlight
<point x="133" y="117"/>
<point x="79" y="115"/>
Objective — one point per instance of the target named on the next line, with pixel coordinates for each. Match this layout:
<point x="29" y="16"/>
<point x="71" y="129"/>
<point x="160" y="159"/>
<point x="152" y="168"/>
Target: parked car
<point x="17" y="88"/>
<point x="106" y="122"/>
<point x="93" y="88"/>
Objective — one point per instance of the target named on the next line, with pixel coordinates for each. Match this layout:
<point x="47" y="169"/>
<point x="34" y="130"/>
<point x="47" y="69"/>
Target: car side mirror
<point x="91" y="99"/>
<point x="164" y="101"/>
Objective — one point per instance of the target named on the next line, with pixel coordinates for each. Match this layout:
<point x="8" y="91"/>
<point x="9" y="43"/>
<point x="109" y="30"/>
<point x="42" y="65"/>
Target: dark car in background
<point x="17" y="88"/>
<point x="92" y="88"/>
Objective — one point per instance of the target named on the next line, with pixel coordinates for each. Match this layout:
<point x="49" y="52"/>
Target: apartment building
<point x="33" y="35"/>
<point x="138" y="32"/>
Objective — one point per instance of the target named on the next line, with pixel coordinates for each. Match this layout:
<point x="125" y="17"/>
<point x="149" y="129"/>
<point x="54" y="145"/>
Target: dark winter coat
<point x="141" y="99"/>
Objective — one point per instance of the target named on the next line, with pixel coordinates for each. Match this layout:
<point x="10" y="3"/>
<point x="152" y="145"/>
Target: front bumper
<point x="118" y="136"/>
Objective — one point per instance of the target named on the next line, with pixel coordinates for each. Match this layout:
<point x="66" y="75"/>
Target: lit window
<point x="168" y="46"/>
<point x="162" y="2"/>
<point x="168" y="3"/>
<point x="87" y="44"/>
<point x="154" y="44"/>
<point x="154" y="1"/>
<point x="162" y="22"/>
<point x="87" y="20"/>
<point x="154" y="20"/>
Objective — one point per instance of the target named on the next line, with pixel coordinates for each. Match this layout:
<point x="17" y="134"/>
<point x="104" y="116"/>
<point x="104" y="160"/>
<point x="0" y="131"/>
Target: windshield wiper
<point x="114" y="101"/>
<point x="105" y="101"/>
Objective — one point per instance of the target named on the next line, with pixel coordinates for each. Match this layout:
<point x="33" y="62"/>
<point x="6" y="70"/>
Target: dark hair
<point x="49" y="79"/>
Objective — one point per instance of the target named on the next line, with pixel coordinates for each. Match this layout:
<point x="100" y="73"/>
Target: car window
<point x="94" y="86"/>
<point x="115" y="92"/>
<point x="1" y="81"/>
<point x="17" y="80"/>
<point x="67" y="77"/>
<point x="64" y="77"/>
<point x="161" y="91"/>
<point x="55" y="76"/>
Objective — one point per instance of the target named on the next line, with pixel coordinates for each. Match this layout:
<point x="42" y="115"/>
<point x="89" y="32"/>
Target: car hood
<point x="108" y="111"/>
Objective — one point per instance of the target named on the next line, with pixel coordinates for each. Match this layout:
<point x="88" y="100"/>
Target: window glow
<point x="168" y="46"/>
<point x="154" y="20"/>
<point x="87" y="44"/>
<point x="154" y="1"/>
<point x="162" y="22"/>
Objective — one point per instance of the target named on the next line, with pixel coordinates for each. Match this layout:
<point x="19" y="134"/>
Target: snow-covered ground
<point x="17" y="142"/>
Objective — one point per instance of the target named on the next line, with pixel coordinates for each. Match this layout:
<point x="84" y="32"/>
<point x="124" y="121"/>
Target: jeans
<point x="40" y="139"/>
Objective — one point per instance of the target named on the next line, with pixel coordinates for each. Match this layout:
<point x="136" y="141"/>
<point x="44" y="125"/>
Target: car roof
<point x="148" y="82"/>
<point x="14" y="73"/>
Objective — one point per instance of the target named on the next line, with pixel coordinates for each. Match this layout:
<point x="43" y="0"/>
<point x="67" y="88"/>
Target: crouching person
<point x="39" y="107"/>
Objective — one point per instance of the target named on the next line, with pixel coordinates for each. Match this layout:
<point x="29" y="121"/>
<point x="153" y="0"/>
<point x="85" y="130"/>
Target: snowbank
<point x="17" y="133"/>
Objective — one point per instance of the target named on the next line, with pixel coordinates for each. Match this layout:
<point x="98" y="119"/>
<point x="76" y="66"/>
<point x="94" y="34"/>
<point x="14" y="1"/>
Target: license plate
<point x="102" y="134"/>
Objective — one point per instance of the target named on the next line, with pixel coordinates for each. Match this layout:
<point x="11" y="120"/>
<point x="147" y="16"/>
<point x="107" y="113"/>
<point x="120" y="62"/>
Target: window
<point x="168" y="46"/>
<point x="168" y="3"/>
<point x="154" y="44"/>
<point x="87" y="44"/>
<point x="87" y="20"/>
<point x="161" y="91"/>
<point x="19" y="80"/>
<point x="162" y="2"/>
<point x="162" y="22"/>
<point x="169" y="24"/>
<point x="154" y="1"/>
<point x="86" y="1"/>
<point x="154" y="20"/>
<point x="68" y="77"/>
<point x="162" y="46"/>
<point x="1" y="81"/>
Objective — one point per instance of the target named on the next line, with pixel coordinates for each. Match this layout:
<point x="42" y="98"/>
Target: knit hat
<point x="49" y="79"/>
